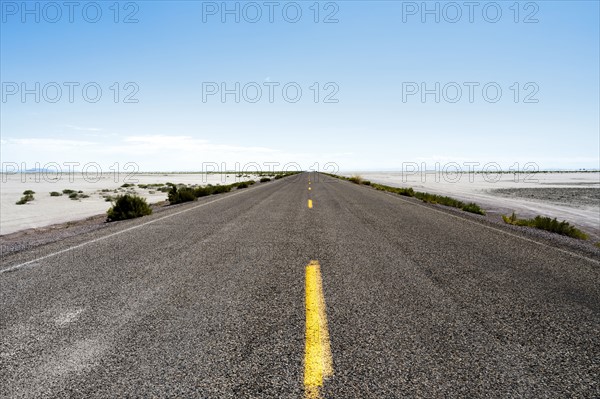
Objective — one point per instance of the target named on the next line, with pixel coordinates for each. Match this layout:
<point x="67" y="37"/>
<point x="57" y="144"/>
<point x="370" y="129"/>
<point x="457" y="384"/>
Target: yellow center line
<point x="309" y="189"/>
<point x="310" y="204"/>
<point x="318" y="363"/>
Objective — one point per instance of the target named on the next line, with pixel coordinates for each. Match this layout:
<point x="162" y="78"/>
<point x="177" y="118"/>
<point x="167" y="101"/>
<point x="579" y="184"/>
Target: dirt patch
<point x="570" y="196"/>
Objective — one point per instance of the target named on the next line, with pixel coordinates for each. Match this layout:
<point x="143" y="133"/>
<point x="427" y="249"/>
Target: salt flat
<point x="571" y="196"/>
<point x="46" y="210"/>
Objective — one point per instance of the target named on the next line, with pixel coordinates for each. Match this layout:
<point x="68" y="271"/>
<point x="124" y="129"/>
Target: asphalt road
<point x="208" y="300"/>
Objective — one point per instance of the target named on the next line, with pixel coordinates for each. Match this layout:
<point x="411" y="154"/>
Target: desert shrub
<point x="356" y="179"/>
<point x="473" y="208"/>
<point x="221" y="189"/>
<point x="366" y="182"/>
<point x="128" y="207"/>
<point x="25" y="199"/>
<point x="264" y="179"/>
<point x="204" y="191"/>
<point x="448" y="201"/>
<point x="279" y="176"/>
<point x="242" y="185"/>
<point x="250" y="182"/>
<point x="181" y="194"/>
<point x="55" y="194"/>
<point x="545" y="223"/>
<point x="67" y="191"/>
<point x="28" y="192"/>
<point x="73" y="195"/>
<point x="127" y="185"/>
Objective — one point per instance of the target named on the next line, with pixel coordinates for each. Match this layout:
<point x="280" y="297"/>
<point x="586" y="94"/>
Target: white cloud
<point x="152" y="152"/>
<point x="48" y="143"/>
<point x="83" y="129"/>
<point x="161" y="143"/>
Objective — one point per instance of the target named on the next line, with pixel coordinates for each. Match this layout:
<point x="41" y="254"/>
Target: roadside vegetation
<point x="179" y="193"/>
<point x="77" y="195"/>
<point x="128" y="207"/>
<point x="55" y="194"/>
<point x="409" y="192"/>
<point x="27" y="197"/>
<point x="545" y="223"/>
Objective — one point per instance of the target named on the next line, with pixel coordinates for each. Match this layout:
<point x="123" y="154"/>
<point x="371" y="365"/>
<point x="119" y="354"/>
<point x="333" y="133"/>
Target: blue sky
<point x="370" y="57"/>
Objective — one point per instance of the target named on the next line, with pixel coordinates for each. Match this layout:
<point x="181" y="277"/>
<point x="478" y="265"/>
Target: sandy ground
<point x="572" y="196"/>
<point x="45" y="210"/>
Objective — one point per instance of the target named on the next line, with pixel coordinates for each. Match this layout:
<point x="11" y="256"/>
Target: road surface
<point x="279" y="291"/>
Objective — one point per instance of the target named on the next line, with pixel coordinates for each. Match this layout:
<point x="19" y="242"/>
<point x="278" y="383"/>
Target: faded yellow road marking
<point x="309" y="204"/>
<point x="318" y="363"/>
<point x="309" y="189"/>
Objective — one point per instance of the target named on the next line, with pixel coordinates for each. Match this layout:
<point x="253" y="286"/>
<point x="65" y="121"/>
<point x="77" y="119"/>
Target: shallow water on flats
<point x="571" y="196"/>
<point x="45" y="210"/>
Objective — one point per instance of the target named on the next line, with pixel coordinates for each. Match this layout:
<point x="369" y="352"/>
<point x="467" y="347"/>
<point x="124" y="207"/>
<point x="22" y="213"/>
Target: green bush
<point x="67" y="191"/>
<point x="28" y="192"/>
<point x="355" y="179"/>
<point x="25" y="199"/>
<point x="55" y="194"/>
<point x="242" y="185"/>
<point x="181" y="194"/>
<point x="73" y="195"/>
<point x="264" y="179"/>
<point x="221" y="189"/>
<point x="473" y="208"/>
<point x="128" y="207"/>
<point x="128" y="185"/>
<point x="548" y="224"/>
<point x="204" y="191"/>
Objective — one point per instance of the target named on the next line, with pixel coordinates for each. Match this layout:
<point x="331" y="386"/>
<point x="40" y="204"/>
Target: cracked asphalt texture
<point x="209" y="303"/>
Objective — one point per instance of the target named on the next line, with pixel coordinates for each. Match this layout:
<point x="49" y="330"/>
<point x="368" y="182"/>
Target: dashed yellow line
<point x="318" y="363"/>
<point x="310" y="204"/>
<point x="309" y="189"/>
